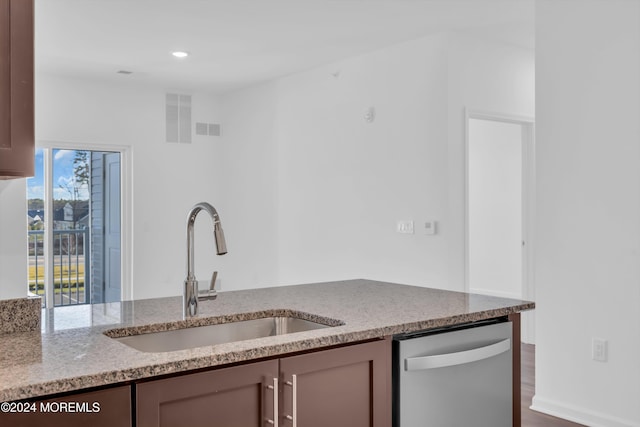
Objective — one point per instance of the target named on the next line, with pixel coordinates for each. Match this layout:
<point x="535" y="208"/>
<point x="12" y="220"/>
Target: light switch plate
<point x="405" y="227"/>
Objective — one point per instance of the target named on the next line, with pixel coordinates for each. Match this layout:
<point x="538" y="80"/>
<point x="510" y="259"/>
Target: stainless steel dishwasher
<point x="454" y="377"/>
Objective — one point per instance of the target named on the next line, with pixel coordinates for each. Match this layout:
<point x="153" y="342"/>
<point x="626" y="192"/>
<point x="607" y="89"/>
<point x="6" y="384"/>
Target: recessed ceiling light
<point x="180" y="54"/>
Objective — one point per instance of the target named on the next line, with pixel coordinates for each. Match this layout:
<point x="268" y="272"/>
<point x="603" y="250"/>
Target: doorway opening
<point x="499" y="207"/>
<point x="74" y="226"/>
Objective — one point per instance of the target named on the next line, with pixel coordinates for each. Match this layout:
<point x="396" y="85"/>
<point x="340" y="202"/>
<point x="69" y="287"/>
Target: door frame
<point x="126" y="209"/>
<point x="528" y="202"/>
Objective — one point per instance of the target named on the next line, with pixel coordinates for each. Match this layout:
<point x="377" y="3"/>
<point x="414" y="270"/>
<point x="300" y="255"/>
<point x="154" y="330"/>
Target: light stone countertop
<point x="72" y="352"/>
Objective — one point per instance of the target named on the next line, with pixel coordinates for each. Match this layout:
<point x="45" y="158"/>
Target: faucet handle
<point x="213" y="281"/>
<point x="210" y="293"/>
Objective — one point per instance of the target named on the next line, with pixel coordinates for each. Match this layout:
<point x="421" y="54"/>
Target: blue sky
<point x="62" y="176"/>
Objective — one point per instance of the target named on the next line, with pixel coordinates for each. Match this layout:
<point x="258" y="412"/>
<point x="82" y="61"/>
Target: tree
<point x="78" y="182"/>
<point x="35" y="204"/>
<point x="75" y="186"/>
<point x="81" y="168"/>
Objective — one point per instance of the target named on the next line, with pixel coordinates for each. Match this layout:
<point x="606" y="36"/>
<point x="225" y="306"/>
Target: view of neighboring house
<point x="64" y="218"/>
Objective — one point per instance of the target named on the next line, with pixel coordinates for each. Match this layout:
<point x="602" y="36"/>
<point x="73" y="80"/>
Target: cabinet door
<point x="103" y="408"/>
<point x="342" y="387"/>
<point x="241" y="396"/>
<point x="16" y="89"/>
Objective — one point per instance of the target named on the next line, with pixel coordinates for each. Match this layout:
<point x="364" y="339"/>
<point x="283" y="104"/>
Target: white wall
<point x="247" y="172"/>
<point x="13" y="239"/>
<point x="487" y="77"/>
<point x="342" y="183"/>
<point x="588" y="217"/>
<point x="307" y="190"/>
<point x="168" y="178"/>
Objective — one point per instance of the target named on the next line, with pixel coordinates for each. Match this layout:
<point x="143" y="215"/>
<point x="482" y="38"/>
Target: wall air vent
<point x="178" y="117"/>
<point x="210" y="129"/>
<point x="214" y="129"/>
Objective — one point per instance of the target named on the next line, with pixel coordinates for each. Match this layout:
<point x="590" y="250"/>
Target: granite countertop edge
<point x="20" y="379"/>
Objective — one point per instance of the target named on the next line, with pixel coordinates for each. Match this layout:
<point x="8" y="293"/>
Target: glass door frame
<point x="126" y="205"/>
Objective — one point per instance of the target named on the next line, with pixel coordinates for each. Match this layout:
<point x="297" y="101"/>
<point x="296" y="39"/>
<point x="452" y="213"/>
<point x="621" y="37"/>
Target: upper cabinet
<point x="17" y="139"/>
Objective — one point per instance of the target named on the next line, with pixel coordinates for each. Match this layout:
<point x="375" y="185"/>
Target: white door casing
<point x="521" y="130"/>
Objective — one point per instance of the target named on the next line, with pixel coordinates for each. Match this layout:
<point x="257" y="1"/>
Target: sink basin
<point x="200" y="336"/>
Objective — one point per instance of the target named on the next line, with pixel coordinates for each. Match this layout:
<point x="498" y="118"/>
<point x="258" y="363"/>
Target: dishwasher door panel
<point x="455" y="378"/>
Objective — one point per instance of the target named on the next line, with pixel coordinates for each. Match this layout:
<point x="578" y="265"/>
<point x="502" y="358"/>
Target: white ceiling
<point x="235" y="43"/>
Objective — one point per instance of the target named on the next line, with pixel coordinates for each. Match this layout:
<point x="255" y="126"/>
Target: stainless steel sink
<point x="182" y="339"/>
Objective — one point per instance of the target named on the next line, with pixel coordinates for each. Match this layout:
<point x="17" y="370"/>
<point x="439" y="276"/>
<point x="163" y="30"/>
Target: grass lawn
<point x="68" y="279"/>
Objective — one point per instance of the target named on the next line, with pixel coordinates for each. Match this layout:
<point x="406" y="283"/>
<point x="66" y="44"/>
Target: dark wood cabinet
<point x="343" y="387"/>
<point x="516" y="369"/>
<point x="102" y="408"/>
<point x="347" y="386"/>
<point x="17" y="136"/>
<point x="240" y="396"/>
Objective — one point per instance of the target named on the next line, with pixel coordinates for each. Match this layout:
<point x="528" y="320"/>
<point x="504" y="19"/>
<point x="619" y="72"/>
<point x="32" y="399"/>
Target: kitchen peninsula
<point x="73" y="353"/>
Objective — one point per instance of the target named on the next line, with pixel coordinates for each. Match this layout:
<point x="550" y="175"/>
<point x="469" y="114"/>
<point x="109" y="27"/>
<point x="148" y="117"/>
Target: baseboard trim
<point x="578" y="414"/>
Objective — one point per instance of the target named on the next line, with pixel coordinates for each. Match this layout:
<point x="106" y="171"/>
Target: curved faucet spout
<point x="190" y="283"/>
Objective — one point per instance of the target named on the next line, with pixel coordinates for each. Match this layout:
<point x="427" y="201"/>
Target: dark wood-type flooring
<point x="532" y="418"/>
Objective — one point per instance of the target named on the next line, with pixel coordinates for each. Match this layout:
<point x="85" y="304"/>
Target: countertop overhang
<point x="72" y="352"/>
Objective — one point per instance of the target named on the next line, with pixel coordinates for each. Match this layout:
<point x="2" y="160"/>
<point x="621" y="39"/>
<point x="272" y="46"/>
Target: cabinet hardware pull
<point x="459" y="358"/>
<point x="274" y="387"/>
<point x="294" y="393"/>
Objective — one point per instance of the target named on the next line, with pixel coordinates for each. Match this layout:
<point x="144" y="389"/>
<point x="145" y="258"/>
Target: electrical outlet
<point x="599" y="349"/>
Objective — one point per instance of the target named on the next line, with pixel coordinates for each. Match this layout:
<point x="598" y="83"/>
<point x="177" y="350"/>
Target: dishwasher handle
<point x="459" y="358"/>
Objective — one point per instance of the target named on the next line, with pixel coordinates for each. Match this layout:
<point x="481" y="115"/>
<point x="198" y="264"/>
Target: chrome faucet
<point x="191" y="294"/>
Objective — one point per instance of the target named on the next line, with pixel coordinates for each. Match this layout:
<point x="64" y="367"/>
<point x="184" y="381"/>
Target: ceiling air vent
<point x="178" y="109"/>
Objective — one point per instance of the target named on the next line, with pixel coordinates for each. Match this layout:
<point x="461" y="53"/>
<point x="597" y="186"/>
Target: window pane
<point x="70" y="226"/>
